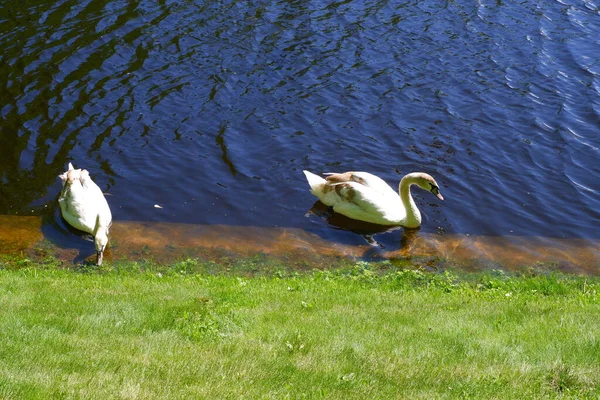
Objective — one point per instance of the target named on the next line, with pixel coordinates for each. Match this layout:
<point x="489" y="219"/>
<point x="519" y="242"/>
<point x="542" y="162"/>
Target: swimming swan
<point x="366" y="197"/>
<point x="83" y="206"/>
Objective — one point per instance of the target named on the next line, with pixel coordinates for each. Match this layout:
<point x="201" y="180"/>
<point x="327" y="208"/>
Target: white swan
<point x="366" y="197"/>
<point x="83" y="206"/>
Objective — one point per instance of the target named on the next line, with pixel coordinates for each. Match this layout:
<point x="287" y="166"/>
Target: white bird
<point x="83" y="206"/>
<point x="366" y="197"/>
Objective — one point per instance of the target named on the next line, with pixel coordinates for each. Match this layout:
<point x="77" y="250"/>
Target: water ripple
<point x="213" y="109"/>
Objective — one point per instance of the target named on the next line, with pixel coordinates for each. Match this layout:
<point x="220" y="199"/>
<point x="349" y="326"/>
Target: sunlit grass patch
<point x="186" y="330"/>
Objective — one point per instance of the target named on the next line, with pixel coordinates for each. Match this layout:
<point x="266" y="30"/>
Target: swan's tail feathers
<point x="64" y="176"/>
<point x="314" y="181"/>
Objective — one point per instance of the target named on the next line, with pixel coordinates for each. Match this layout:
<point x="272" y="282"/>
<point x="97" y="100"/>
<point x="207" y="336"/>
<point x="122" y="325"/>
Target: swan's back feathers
<point x="365" y="179"/>
<point x="359" y="195"/>
<point x="344" y="177"/>
<point x="82" y="202"/>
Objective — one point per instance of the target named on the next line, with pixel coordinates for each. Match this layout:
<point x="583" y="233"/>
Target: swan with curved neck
<point x="366" y="197"/>
<point x="83" y="206"/>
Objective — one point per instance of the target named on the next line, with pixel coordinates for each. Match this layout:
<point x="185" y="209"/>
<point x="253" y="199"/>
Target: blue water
<point x="211" y="110"/>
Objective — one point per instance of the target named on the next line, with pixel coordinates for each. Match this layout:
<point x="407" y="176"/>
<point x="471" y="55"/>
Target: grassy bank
<point x="369" y="331"/>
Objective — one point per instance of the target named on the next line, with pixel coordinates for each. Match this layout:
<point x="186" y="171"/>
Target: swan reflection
<point x="365" y="229"/>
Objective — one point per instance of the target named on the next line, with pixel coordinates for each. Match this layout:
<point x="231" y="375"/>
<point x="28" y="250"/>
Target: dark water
<point x="212" y="109"/>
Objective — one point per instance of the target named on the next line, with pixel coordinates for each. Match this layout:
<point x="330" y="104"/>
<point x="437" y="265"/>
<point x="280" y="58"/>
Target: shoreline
<point x="169" y="242"/>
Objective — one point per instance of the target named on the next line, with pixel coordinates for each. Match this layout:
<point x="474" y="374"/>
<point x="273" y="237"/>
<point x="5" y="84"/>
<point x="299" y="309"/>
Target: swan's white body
<point x="83" y="206"/>
<point x="366" y="197"/>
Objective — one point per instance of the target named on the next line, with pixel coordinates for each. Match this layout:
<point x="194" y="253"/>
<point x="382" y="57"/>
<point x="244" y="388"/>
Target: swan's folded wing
<point x="357" y="198"/>
<point x="376" y="183"/>
<point x="363" y="178"/>
<point x="344" y="177"/>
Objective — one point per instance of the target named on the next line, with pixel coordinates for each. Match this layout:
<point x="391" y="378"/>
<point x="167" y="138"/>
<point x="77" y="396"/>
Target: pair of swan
<point x="83" y="206"/>
<point x="366" y="197"/>
<point x="357" y="195"/>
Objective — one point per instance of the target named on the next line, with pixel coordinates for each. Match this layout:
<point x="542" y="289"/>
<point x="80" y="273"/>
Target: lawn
<point x="368" y="331"/>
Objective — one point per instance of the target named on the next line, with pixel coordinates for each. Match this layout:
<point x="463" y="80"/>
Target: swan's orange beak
<point x="439" y="196"/>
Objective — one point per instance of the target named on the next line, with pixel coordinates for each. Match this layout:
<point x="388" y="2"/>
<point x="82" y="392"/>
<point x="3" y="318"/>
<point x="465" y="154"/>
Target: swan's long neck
<point x="413" y="215"/>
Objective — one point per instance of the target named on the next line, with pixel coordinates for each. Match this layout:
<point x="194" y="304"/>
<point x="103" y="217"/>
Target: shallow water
<point x="291" y="248"/>
<point x="212" y="109"/>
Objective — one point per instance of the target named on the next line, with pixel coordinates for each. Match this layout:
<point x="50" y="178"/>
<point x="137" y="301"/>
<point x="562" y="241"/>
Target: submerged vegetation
<point x="252" y="329"/>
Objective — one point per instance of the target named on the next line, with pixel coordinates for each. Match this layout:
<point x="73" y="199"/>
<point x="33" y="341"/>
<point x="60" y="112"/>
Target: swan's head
<point x="100" y="240"/>
<point x="426" y="182"/>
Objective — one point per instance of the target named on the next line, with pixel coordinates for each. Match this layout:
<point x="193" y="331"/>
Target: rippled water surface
<point x="211" y="110"/>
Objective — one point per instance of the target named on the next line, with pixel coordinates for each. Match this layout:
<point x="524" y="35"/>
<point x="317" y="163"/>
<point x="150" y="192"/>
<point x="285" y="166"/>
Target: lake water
<point x="211" y="110"/>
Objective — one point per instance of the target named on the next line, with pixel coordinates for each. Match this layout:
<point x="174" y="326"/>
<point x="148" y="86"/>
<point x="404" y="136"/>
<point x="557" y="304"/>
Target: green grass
<point x="368" y="331"/>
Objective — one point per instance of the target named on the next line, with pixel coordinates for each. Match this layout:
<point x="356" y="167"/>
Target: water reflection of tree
<point x="38" y="126"/>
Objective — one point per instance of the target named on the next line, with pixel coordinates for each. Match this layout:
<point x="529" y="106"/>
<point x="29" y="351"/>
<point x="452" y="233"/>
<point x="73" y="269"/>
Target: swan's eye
<point x="434" y="189"/>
